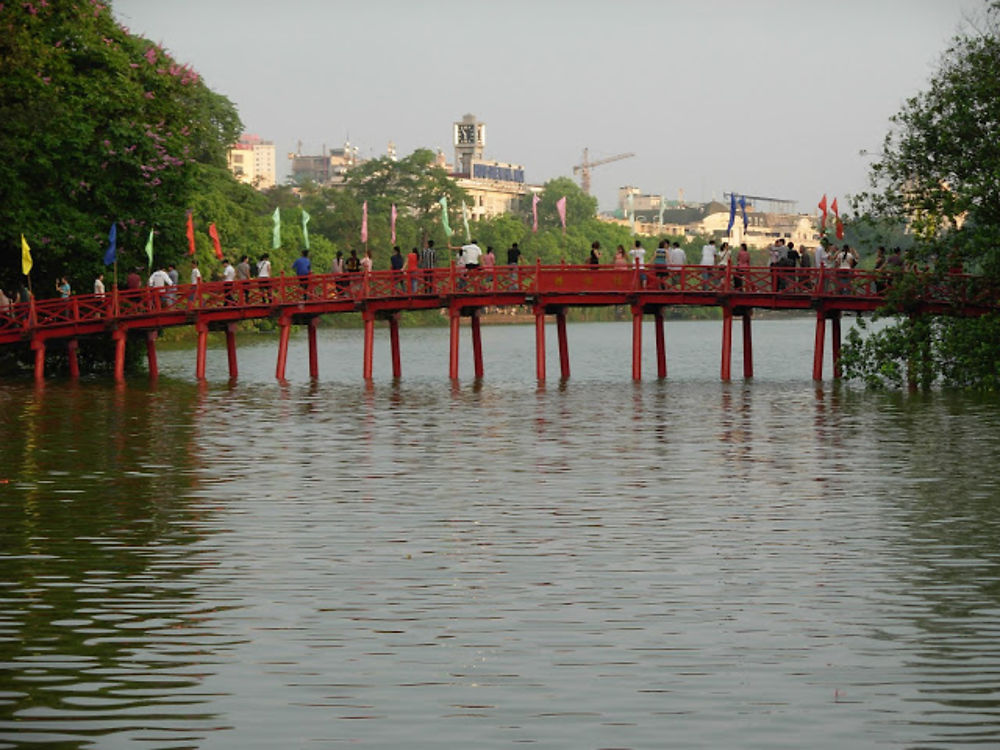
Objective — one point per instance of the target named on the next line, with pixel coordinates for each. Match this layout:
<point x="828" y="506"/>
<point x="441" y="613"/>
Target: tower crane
<point x="585" y="165"/>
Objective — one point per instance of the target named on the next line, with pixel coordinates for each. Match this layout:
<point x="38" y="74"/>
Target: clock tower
<point x="470" y="139"/>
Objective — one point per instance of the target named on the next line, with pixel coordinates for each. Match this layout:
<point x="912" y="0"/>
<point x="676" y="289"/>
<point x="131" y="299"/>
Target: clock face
<point x="465" y="134"/>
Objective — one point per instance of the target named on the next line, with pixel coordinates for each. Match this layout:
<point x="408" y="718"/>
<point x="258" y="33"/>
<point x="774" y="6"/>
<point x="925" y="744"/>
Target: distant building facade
<point x="329" y="168"/>
<point x="252" y="160"/>
<point x="494" y="187"/>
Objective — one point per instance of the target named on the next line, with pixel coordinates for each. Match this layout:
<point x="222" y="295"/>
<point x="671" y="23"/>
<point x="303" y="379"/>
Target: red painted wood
<point x="835" y="343"/>
<point x="284" y="331"/>
<point x="747" y="346"/>
<point x="151" y="361"/>
<point x="818" y="345"/>
<point x="369" y="319"/>
<point x="397" y="368"/>
<point x="74" y="362"/>
<point x="636" y="343"/>
<point x="661" y="344"/>
<point x="119" y="336"/>
<point x="39" y="346"/>
<point x="563" y="343"/>
<point x="313" y="349"/>
<point x="234" y="370"/>
<point x="477" y="345"/>
<point x="727" y="343"/>
<point x="540" y="343"/>
<point x="453" y="342"/>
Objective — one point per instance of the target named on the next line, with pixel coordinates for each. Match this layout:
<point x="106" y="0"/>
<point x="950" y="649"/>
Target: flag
<point x="364" y="222"/>
<point x="444" y="216"/>
<point x="839" y="224"/>
<point x="276" y="232"/>
<point x="534" y="212"/>
<point x="393" y="215"/>
<point x="822" y="207"/>
<point x="743" y="209"/>
<point x="25" y="257"/>
<point x="732" y="212"/>
<point x="631" y="213"/>
<point x="190" y="232"/>
<point x="149" y="249"/>
<point x="305" y="227"/>
<point x="833" y="208"/>
<point x="111" y="254"/>
<point x="214" y="234"/>
<point x="561" y="208"/>
<point x="465" y="222"/>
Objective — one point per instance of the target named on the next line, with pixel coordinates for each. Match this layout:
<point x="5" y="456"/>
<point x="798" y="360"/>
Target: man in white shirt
<point x="637" y="256"/>
<point x="708" y="258"/>
<point x="158" y="282"/>
<point x="470" y="254"/>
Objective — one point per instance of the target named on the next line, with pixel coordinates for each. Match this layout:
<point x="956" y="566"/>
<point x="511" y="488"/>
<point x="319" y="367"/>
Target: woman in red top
<point x="742" y="262"/>
<point x="412" y="262"/>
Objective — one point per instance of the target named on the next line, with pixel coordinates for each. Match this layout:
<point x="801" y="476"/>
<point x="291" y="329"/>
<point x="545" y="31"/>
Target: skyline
<point x="738" y="97"/>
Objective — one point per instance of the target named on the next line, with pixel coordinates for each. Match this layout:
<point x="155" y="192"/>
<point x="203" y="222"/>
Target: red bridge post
<point x="284" y="331"/>
<point x="119" y="336"/>
<point x="747" y="345"/>
<point x="637" y="339"/>
<point x="39" y="346"/>
<point x="477" y="345"/>
<point x="397" y="368"/>
<point x="153" y="365"/>
<point x="661" y="344"/>
<point x="818" y="345"/>
<point x="369" y="317"/>
<point x="539" y="340"/>
<point x="727" y="342"/>
<point x="74" y="363"/>
<point x="455" y="314"/>
<point x="313" y="350"/>
<point x="199" y="364"/>
<point x="835" y="343"/>
<point x="563" y="343"/>
<point x="234" y="369"/>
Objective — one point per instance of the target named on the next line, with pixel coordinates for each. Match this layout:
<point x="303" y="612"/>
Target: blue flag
<point x="732" y="212"/>
<point x="111" y="255"/>
<point x="743" y="208"/>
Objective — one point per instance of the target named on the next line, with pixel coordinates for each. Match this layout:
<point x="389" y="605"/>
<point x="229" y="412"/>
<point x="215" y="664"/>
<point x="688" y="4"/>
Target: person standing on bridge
<point x="428" y="262"/>
<point x="637" y="258"/>
<point x="264" y="276"/>
<point x="708" y="258"/>
<point x="412" y="266"/>
<point x="243" y="269"/>
<point x="469" y="255"/>
<point x="595" y="254"/>
<point x="303" y="267"/>
<point x="742" y="266"/>
<point x="158" y="282"/>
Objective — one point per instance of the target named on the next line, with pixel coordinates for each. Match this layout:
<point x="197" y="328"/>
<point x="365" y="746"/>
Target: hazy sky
<point x="773" y="97"/>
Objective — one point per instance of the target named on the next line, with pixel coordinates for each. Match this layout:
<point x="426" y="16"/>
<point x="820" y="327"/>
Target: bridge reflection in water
<point x="547" y="290"/>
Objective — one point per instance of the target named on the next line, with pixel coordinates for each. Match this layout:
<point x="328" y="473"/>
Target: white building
<point x="252" y="161"/>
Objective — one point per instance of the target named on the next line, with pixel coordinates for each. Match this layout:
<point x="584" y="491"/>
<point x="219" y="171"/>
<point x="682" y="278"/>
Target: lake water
<point x="427" y="564"/>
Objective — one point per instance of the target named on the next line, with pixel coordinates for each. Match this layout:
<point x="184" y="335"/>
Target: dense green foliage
<point x="939" y="176"/>
<point x="103" y="126"/>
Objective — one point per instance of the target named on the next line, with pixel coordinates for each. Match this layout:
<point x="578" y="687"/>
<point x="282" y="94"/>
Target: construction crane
<point x="584" y="167"/>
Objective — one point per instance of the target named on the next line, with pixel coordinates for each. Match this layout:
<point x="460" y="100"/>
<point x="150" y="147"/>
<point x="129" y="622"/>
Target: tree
<point x="939" y="175"/>
<point x="100" y="126"/>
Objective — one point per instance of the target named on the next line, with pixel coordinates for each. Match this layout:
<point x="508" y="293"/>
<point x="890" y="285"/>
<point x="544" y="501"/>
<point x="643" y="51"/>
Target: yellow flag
<point x="25" y="256"/>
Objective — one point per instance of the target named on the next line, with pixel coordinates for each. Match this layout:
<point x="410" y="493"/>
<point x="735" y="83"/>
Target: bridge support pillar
<point x="727" y="342"/>
<point x="284" y="331"/>
<point x="835" y="342"/>
<point x="818" y="345"/>
<point x="369" y="318"/>
<point x="397" y="367"/>
<point x="563" y="343"/>
<point x="38" y="345"/>
<point x="747" y="345"/>
<point x="119" y="336"/>
<point x="661" y="344"/>
<point x="636" y="342"/>
<point x="477" y="345"/>
<point x="313" y="350"/>
<point x="454" y="316"/>
<point x="202" y="350"/>
<point x="540" y="342"/>
<point x="151" y="362"/>
<point x="74" y="363"/>
<point x="234" y="369"/>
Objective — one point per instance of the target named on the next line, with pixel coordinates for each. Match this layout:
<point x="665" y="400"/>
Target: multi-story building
<point x="328" y="168"/>
<point x="494" y="187"/>
<point x="252" y="161"/>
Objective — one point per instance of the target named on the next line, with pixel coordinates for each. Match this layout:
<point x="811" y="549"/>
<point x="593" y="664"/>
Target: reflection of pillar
<point x="563" y="343"/>
<point x="835" y="336"/>
<point x="727" y="342"/>
<point x="119" y="338"/>
<point x="477" y="345"/>
<point x="818" y="346"/>
<point x="39" y="346"/>
<point x="74" y="362"/>
<point x="313" y="350"/>
<point x="154" y="368"/>
<point x="747" y="345"/>
<point x="636" y="343"/>
<point x="284" y="330"/>
<point x="234" y="369"/>
<point x="369" y="318"/>
<point x="661" y="344"/>
<point x="540" y="342"/>
<point x="455" y="314"/>
<point x="199" y="366"/>
<point x="397" y="368"/>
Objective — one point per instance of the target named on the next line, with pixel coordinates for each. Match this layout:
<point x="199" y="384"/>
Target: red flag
<point x="190" y="232"/>
<point x="214" y="234"/>
<point x="833" y="207"/>
<point x="822" y="207"/>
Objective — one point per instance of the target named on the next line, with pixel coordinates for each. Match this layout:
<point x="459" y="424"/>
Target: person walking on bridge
<point x="303" y="267"/>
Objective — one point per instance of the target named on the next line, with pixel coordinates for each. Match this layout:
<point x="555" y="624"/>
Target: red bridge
<point x="548" y="290"/>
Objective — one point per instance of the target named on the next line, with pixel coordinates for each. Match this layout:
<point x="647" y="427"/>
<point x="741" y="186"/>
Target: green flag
<point x="276" y="235"/>
<point x="149" y="249"/>
<point x="465" y="221"/>
<point x="444" y="216"/>
<point x="305" y="228"/>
